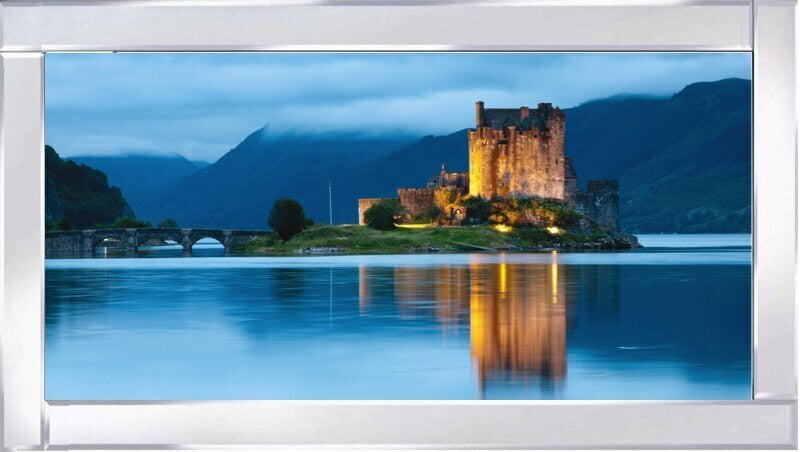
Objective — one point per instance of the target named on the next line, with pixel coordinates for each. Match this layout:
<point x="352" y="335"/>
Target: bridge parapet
<point x="87" y="240"/>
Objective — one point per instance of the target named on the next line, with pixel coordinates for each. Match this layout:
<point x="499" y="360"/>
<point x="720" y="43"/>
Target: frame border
<point x="28" y="29"/>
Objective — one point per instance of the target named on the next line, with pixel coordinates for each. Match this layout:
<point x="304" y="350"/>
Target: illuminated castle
<point x="516" y="152"/>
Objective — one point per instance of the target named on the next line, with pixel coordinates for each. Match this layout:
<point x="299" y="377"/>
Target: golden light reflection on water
<point x="517" y="326"/>
<point x="516" y="314"/>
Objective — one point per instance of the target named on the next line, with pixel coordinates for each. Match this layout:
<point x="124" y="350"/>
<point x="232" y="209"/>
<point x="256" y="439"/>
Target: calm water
<point x="671" y="321"/>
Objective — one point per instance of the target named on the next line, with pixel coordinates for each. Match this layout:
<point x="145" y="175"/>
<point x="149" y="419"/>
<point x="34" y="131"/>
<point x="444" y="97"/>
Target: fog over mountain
<point x="683" y="163"/>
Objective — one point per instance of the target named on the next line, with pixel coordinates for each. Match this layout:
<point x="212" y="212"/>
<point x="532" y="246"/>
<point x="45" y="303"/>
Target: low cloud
<point x="202" y="105"/>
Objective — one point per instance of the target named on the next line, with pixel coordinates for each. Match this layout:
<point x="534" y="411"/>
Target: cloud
<point x="202" y="105"/>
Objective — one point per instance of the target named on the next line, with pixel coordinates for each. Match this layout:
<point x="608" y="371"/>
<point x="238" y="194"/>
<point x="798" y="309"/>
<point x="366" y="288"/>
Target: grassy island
<point x="425" y="239"/>
<point x="497" y="224"/>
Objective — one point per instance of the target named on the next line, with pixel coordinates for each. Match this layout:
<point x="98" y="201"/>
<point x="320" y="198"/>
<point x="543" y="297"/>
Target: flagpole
<point x="330" y="203"/>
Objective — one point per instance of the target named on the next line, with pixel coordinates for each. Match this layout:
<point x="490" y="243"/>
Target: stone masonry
<point x="130" y="239"/>
<point x="517" y="152"/>
<point x="600" y="202"/>
<point x="416" y="201"/>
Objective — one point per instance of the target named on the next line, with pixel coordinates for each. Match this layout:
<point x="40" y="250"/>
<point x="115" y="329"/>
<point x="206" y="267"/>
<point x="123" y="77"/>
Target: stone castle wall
<point x="570" y="181"/>
<point x="600" y="202"/>
<point x="517" y="152"/>
<point x="416" y="201"/>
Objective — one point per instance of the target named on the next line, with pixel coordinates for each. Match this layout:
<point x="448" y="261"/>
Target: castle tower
<point x="517" y="152"/>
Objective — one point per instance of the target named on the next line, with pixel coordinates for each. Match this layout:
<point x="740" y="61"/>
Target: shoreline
<point x="738" y="241"/>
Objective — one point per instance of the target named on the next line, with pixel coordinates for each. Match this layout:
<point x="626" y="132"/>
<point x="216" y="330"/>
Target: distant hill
<point x="80" y="194"/>
<point x="139" y="174"/>
<point x="238" y="190"/>
<point x="683" y="163"/>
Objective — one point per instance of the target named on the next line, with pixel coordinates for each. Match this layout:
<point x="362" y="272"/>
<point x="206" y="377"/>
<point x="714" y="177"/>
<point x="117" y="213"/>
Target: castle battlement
<point x="544" y="118"/>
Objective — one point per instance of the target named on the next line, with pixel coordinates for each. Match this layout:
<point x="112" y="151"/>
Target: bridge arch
<point x="196" y="235"/>
<point x="219" y="241"/>
<point x="120" y="236"/>
<point x="143" y="237"/>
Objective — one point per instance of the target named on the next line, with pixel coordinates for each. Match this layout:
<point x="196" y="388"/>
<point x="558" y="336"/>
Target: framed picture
<point x="436" y="224"/>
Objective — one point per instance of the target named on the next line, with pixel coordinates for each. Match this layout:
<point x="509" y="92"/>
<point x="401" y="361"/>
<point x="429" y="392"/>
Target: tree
<point x="287" y="218"/>
<point x="383" y="214"/>
<point x="129" y="222"/>
<point x="168" y="223"/>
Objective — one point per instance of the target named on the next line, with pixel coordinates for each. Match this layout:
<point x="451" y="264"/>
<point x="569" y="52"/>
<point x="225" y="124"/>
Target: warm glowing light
<point x="414" y="226"/>
<point x="502" y="228"/>
<point x="553" y="230"/>
<point x="503" y="278"/>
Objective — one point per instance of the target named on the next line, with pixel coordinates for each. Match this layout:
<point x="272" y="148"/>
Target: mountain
<point x="137" y="175"/>
<point x="683" y="163"/>
<point x="238" y="190"/>
<point x="80" y="194"/>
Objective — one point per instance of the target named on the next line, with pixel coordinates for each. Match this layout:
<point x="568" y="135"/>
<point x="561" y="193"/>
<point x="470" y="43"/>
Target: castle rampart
<point x="600" y="202"/>
<point x="416" y="201"/>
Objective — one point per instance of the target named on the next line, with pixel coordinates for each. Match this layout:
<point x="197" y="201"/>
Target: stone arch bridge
<point x="131" y="239"/>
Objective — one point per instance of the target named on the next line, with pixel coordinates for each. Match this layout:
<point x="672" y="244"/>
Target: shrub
<point x="478" y="208"/>
<point x="383" y="214"/>
<point x="287" y="218"/>
<point x="168" y="223"/>
<point x="129" y="222"/>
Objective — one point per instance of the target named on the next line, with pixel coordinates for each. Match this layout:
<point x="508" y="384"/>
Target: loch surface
<point x="670" y="321"/>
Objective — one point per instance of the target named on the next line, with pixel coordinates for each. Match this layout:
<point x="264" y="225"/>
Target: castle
<point x="516" y="153"/>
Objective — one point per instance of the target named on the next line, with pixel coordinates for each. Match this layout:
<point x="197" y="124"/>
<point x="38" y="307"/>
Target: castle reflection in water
<point x="517" y="315"/>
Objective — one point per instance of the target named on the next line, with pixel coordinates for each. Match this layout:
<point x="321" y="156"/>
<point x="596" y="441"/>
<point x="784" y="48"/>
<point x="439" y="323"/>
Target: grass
<point x="361" y="239"/>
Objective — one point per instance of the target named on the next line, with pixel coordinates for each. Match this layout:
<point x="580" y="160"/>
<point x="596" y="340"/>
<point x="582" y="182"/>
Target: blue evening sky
<point x="202" y="105"/>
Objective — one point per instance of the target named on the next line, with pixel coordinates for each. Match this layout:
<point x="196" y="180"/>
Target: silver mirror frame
<point x="29" y="29"/>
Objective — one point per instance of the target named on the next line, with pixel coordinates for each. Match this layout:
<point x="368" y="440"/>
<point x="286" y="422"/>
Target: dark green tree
<point x="168" y="223"/>
<point x="287" y="218"/>
<point x="383" y="214"/>
<point x="128" y="222"/>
